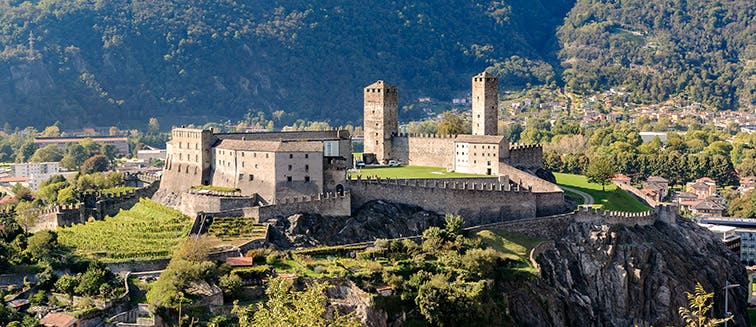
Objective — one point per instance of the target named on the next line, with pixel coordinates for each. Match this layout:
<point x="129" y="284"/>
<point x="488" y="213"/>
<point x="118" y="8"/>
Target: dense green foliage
<point x="121" y="61"/>
<point x="285" y="306"/>
<point x="146" y="231"/>
<point x="84" y="62"/>
<point x="698" y="50"/>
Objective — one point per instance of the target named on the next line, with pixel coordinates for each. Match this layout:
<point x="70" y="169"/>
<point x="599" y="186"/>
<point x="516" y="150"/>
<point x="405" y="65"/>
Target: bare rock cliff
<point x="600" y="275"/>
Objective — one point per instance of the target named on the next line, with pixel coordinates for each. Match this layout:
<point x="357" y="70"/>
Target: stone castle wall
<point x="424" y="150"/>
<point x="96" y="205"/>
<point x="552" y="227"/>
<point x="518" y="176"/>
<point x="478" y="203"/>
<point x="193" y="202"/>
<point x="58" y="216"/>
<point x="328" y="204"/>
<point x="526" y="155"/>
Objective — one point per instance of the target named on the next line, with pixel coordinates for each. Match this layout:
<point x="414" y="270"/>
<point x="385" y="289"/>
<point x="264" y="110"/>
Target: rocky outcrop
<point x="347" y="298"/>
<point x="374" y="220"/>
<point x="601" y="275"/>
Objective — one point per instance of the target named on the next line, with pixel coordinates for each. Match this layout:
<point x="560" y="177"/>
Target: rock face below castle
<point x="601" y="275"/>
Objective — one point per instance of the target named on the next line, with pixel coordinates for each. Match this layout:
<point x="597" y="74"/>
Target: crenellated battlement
<point x="666" y="213"/>
<point x="54" y="209"/>
<point x="216" y="193"/>
<point x="519" y="146"/>
<point x="423" y="135"/>
<point x="328" y="196"/>
<point x="461" y="184"/>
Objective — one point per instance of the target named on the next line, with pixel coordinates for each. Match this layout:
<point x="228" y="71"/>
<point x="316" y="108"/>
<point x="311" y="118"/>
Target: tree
<point x="600" y="171"/>
<point x="743" y="206"/>
<point x="41" y="245"/>
<point x="153" y="126"/>
<point x="453" y="124"/>
<point x="90" y="282"/>
<point x="26" y="151"/>
<point x="75" y="155"/>
<point x="96" y="163"/>
<point x="699" y="305"/>
<point x="49" y="153"/>
<point x="288" y="307"/>
<point x="66" y="284"/>
<point x="51" y="131"/>
<point x="26" y="215"/>
<point x="445" y="303"/>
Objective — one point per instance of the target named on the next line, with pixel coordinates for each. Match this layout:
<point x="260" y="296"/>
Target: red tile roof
<point x="239" y="261"/>
<point x="59" y="319"/>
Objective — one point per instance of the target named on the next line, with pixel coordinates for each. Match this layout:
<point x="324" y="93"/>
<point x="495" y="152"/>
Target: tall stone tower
<point x="381" y="119"/>
<point x="485" y="104"/>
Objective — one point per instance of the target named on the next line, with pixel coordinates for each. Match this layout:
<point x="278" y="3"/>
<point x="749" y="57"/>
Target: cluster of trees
<point x="699" y="152"/>
<point x="41" y="253"/>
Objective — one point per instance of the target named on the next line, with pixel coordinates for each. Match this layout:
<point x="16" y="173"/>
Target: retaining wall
<point x="193" y="203"/>
<point x="327" y="204"/>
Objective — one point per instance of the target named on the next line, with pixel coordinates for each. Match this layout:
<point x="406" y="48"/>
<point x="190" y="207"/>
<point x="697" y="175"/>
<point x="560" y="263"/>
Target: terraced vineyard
<point x="229" y="228"/>
<point x="146" y="231"/>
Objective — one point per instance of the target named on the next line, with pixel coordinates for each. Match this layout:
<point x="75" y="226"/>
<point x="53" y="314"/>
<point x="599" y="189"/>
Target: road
<point x="587" y="198"/>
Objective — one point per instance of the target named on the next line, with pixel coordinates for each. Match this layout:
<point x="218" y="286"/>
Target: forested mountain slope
<point x="699" y="50"/>
<point x="105" y="62"/>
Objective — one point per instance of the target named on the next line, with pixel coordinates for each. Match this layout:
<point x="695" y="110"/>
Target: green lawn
<point x="610" y="199"/>
<point x="409" y="172"/>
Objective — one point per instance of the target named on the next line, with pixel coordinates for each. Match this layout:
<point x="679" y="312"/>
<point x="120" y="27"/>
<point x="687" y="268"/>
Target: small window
<point x="255" y="166"/>
<point x="307" y="167"/>
<point x="291" y="156"/>
<point x="307" y="179"/>
<point x="242" y="164"/>
<point x="289" y="167"/>
<point x="251" y="177"/>
<point x="241" y="176"/>
<point x="242" y="154"/>
<point x="307" y="155"/>
<point x="288" y="178"/>
<point x="266" y="155"/>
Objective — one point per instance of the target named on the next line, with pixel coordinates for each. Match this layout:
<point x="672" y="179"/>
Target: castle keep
<point x="482" y="152"/>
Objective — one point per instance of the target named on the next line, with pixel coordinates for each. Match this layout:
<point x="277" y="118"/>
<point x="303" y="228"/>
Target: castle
<point x="483" y="152"/>
<point x="282" y="173"/>
<point x="267" y="166"/>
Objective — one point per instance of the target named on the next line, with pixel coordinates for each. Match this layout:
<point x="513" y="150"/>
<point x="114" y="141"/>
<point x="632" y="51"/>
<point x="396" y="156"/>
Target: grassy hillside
<point x="612" y="198"/>
<point x="146" y="231"/>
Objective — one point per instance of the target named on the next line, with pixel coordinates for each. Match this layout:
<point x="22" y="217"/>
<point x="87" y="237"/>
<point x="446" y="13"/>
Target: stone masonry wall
<point x="526" y="155"/>
<point x="424" y="150"/>
<point x="478" y="203"/>
<point x="193" y="203"/>
<point x="328" y="204"/>
<point x="57" y="216"/>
